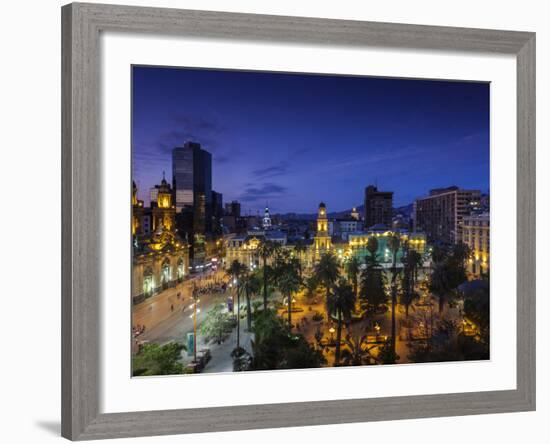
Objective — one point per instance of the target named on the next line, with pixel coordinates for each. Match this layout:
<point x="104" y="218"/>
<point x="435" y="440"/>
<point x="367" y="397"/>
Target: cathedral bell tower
<point x="322" y="239"/>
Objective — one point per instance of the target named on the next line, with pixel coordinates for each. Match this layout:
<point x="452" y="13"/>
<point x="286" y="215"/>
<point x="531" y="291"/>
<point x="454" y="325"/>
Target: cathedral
<point x="160" y="256"/>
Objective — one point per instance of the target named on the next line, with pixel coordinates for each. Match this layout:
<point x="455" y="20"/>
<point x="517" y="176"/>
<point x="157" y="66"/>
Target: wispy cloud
<point x="272" y="171"/>
<point x="266" y="191"/>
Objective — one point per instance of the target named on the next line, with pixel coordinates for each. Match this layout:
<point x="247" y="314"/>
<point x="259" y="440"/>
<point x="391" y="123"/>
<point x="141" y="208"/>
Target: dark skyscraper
<point x="192" y="184"/>
<point x="233" y="208"/>
<point x="378" y="207"/>
<point x="217" y="211"/>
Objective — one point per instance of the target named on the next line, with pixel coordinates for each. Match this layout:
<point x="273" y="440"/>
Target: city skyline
<point x="398" y="141"/>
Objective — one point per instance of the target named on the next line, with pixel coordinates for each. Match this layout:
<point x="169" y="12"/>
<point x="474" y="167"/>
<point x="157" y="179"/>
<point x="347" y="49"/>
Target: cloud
<point x="208" y="132"/>
<point x="265" y="191"/>
<point x="272" y="171"/>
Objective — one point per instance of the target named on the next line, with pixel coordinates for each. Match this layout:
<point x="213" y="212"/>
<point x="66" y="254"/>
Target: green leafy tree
<point x="274" y="347"/>
<point x="341" y="303"/>
<point x="217" y="324"/>
<point x="311" y="284"/>
<point x="387" y="354"/>
<point x="155" y="359"/>
<point x="476" y="309"/>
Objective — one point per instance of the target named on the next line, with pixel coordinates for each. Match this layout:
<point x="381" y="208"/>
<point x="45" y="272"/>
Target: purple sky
<point x="294" y="140"/>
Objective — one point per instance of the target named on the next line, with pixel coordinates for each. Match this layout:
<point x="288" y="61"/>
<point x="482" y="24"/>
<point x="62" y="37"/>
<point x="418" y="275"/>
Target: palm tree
<point x="235" y="271"/>
<point x="373" y="278"/>
<point x="326" y="271"/>
<point x="288" y="281"/>
<point x="341" y="303"/>
<point x="251" y="285"/>
<point x="352" y="270"/>
<point x="266" y="250"/>
<point x="394" y="242"/>
<point x="440" y="284"/>
<point x="372" y="248"/>
<point x="411" y="261"/>
<point x="300" y="248"/>
<point x="357" y="351"/>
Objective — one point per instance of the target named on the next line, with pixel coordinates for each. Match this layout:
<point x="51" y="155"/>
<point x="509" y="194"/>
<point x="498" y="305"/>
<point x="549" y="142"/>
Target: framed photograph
<point x="278" y="221"/>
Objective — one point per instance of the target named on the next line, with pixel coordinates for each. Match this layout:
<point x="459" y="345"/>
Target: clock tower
<point x="322" y="240"/>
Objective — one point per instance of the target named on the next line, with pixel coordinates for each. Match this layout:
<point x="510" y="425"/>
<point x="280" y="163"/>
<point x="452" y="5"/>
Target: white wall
<point x="29" y="225"/>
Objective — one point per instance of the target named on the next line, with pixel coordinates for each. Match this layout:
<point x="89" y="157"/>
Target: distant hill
<point x="405" y="210"/>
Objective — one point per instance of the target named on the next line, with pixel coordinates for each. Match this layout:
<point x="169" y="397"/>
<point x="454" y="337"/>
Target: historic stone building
<point x="160" y="258"/>
<point x="244" y="247"/>
<point x="476" y="234"/>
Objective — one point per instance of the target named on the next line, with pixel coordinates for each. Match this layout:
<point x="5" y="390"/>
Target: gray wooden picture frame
<point x="81" y="243"/>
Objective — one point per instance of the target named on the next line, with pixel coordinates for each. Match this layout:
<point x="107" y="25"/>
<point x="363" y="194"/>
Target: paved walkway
<point x="221" y="353"/>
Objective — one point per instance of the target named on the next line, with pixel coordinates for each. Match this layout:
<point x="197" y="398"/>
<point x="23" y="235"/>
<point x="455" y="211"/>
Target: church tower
<point x="266" y="221"/>
<point x="163" y="212"/>
<point x="322" y="239"/>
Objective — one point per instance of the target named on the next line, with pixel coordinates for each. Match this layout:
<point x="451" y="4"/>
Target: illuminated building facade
<point x="244" y="247"/>
<point x="476" y="234"/>
<point x="414" y="241"/>
<point x="160" y="257"/>
<point x="162" y="210"/>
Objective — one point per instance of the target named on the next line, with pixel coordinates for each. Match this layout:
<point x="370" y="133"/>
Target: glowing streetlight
<point x="331" y="330"/>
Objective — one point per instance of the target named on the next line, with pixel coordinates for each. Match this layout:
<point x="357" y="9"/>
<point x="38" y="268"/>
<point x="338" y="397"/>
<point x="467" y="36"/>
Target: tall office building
<point x="441" y="214"/>
<point x="233" y="209"/>
<point x="217" y="211"/>
<point x="378" y="207"/>
<point x="192" y="184"/>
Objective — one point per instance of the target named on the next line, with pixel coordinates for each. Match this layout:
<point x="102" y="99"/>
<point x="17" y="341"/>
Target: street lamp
<point x="331" y="331"/>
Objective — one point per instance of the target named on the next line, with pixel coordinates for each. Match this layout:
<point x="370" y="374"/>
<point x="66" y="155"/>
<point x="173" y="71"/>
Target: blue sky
<point x="293" y="140"/>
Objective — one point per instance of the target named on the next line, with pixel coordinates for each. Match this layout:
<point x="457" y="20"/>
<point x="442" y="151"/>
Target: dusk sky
<point x="293" y="140"/>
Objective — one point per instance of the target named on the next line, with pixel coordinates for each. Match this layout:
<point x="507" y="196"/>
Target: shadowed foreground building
<point x="441" y="214"/>
<point x="378" y="207"/>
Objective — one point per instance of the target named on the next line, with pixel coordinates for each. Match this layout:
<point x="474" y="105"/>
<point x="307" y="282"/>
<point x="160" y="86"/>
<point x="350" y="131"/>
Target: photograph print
<point x="300" y="221"/>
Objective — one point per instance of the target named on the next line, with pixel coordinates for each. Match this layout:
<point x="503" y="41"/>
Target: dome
<point x="322" y="205"/>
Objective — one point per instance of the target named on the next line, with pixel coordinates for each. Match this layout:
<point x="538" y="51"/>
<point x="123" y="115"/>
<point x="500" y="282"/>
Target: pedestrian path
<point x="221" y="360"/>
